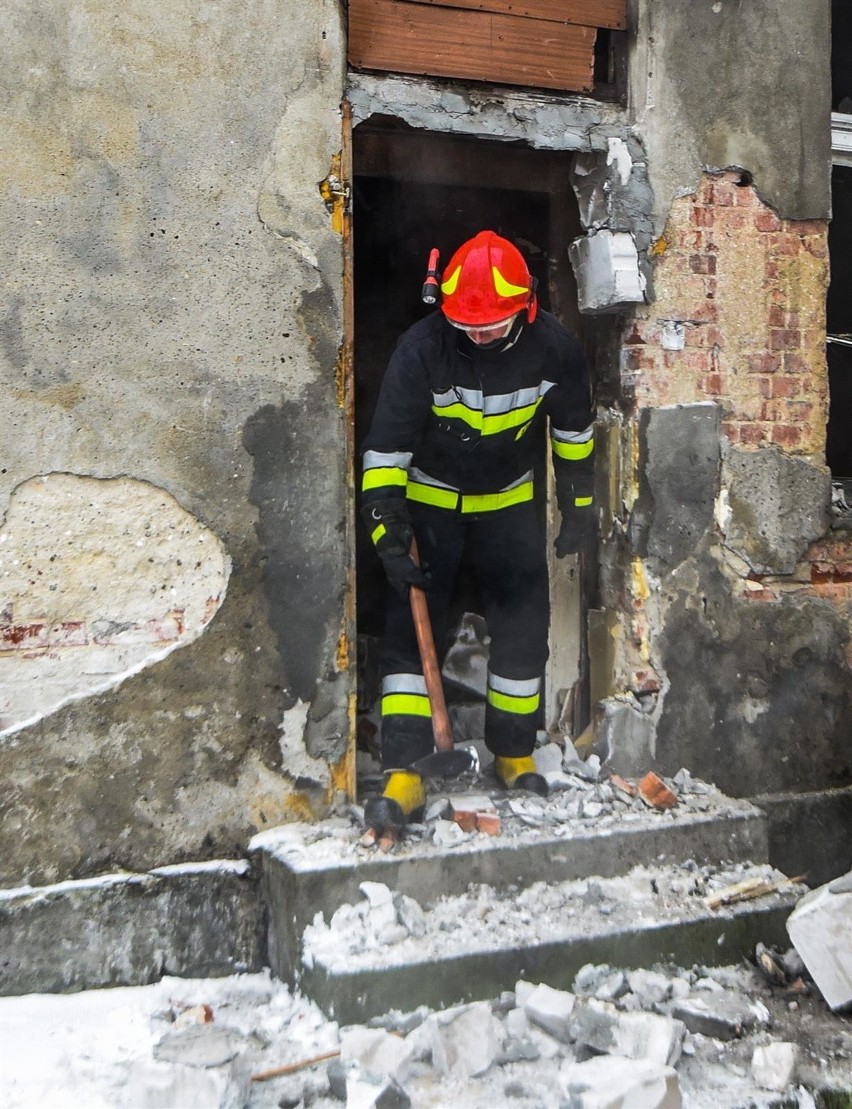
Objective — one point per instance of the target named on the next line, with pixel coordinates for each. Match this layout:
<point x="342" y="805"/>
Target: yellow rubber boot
<point x="403" y="799"/>
<point x="520" y="773"/>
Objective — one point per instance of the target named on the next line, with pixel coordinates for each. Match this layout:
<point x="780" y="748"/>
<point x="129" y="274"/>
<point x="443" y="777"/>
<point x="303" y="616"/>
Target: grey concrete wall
<point x="170" y="315"/>
<point x="722" y="83"/>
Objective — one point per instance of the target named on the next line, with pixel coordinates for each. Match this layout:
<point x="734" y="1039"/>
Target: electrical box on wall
<point x="606" y="266"/>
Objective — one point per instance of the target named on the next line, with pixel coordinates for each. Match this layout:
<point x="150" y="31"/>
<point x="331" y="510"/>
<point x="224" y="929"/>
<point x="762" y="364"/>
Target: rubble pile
<point x="583" y="797"/>
<point x="657" y="1038"/>
<point x="387" y="927"/>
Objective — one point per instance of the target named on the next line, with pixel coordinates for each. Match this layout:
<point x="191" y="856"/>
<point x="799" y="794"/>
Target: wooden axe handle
<point x="441" y="729"/>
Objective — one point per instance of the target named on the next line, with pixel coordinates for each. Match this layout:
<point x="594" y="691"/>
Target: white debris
<point x="152" y="1085"/>
<point x="610" y="1082"/>
<point x="548" y="759"/>
<point x="550" y="1009"/>
<point x="378" y="1051"/>
<point x="602" y="1027"/>
<point x="465" y="1041"/>
<point x="820" y="930"/>
<point x="773" y="1065"/>
<point x="651" y="988"/>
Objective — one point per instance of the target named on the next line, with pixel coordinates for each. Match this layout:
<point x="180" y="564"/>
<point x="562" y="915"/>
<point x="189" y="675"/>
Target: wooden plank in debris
<point x="409" y="37"/>
<point x="611" y="14"/>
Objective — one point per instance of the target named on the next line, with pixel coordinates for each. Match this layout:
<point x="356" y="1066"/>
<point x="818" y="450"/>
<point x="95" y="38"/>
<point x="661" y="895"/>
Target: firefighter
<point x="449" y="459"/>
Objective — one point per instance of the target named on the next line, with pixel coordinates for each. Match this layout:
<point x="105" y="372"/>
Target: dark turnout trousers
<point x="505" y="550"/>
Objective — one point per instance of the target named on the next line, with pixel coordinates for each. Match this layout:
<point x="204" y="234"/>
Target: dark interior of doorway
<point x="838" y="447"/>
<point x="839" y="302"/>
<point x="412" y="192"/>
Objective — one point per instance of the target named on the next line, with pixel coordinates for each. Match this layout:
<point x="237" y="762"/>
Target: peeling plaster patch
<point x="722" y="511"/>
<point x="295" y="761"/>
<point x="619" y="156"/>
<point x="778" y="504"/>
<point x="99" y="578"/>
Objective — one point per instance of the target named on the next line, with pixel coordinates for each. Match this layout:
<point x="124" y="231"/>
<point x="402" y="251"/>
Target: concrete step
<point x="475" y="945"/>
<point x="311" y="869"/>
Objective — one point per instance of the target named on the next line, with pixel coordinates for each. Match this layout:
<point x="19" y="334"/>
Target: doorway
<point x="413" y="191"/>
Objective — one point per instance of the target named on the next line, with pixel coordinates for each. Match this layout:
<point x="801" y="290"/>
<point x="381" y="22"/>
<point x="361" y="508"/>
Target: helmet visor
<point x="486" y="333"/>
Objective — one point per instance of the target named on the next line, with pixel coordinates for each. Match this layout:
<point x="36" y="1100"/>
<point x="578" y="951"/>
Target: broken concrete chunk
<point x="601" y="1027"/>
<point x="152" y="1083"/>
<point x="599" y="980"/>
<point x="551" y="1010"/>
<point x="649" y="986"/>
<point x="722" y="1014"/>
<point x="364" y="1093"/>
<point x="773" y="1066"/>
<point x="377" y="1050"/>
<point x="610" y="1082"/>
<point x="409" y="914"/>
<point x="199" y="1045"/>
<point x="466" y="1041"/>
<point x="819" y="927"/>
<point x="548" y="759"/>
<point x="447" y="833"/>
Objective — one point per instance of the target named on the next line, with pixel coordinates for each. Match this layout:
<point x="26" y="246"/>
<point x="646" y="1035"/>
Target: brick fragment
<point x="617" y="782"/>
<point x="655" y="793"/>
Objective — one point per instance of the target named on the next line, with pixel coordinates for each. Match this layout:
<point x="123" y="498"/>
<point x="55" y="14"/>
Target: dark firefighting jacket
<point x="460" y="428"/>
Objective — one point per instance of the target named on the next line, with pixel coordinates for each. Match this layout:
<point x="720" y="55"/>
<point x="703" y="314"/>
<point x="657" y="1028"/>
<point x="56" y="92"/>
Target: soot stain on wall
<point x="758" y="691"/>
<point x="299" y="489"/>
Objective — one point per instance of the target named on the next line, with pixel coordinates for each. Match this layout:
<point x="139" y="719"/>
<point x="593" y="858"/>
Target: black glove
<point x="390" y="528"/>
<point x="577" y="532"/>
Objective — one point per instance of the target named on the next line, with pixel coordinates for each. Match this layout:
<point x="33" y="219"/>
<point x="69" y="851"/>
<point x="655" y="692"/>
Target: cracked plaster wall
<point x="170" y="317"/>
<point x="721" y="83"/>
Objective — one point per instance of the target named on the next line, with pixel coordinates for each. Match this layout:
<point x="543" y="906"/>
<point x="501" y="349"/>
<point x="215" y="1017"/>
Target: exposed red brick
<point x="808" y="227"/>
<point x="834" y="591"/>
<point x="783" y="435"/>
<point x="787" y="246"/>
<point x="766" y="220"/>
<point x="764" y="362"/>
<point x="785" y="338"/>
<point x="22" y="637"/>
<point x="702" y="217"/>
<point x="795" y="363"/>
<point x="702" y="263"/>
<point x="816" y="247"/>
<point x="751" y="434"/>
<point x="783" y="386"/>
<point x="713" y="384"/>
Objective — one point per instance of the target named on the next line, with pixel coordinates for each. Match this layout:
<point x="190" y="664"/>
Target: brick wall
<point x="742" y="293"/>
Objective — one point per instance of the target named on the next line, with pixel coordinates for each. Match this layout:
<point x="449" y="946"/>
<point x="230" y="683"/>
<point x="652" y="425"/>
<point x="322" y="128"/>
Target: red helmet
<point x="487" y="281"/>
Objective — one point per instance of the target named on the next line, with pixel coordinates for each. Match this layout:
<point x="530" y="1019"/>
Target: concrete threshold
<point x="199" y="920"/>
<point x="310" y="869"/>
<point x="475" y="945"/>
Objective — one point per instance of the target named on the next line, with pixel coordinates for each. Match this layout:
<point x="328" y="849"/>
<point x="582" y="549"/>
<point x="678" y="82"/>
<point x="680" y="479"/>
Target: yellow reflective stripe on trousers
<point x="583" y="502"/>
<point x="490" y="502"/>
<point x="377" y="533"/>
<point x="572" y="451"/>
<point x="383" y="475"/>
<point x="405" y="704"/>
<point x="431" y="494"/>
<point x="520" y="706"/>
